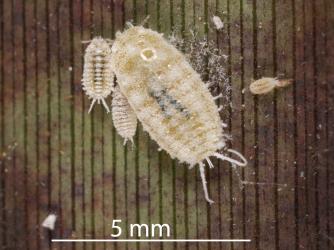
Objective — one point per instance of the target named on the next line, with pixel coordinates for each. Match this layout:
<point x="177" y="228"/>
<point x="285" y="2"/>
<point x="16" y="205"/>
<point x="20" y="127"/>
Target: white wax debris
<point x="50" y="222"/>
<point x="218" y="22"/>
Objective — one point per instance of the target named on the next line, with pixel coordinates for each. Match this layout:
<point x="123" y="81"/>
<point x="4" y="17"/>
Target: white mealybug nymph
<point x="98" y="76"/>
<point x="123" y="116"/>
<point x="169" y="98"/>
<point x="267" y="84"/>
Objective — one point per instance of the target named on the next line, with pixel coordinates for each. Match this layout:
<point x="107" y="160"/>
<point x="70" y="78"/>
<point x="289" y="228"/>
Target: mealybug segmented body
<point x="124" y="118"/>
<point x="169" y="98"/>
<point x="98" y="76"/>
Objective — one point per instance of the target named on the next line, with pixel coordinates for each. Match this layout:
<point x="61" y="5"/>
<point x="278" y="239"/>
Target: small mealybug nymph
<point x="98" y="76"/>
<point x="123" y="116"/>
<point x="267" y="84"/>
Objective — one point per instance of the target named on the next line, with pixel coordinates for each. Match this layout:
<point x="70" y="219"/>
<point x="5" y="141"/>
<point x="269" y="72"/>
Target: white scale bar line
<point x="151" y="240"/>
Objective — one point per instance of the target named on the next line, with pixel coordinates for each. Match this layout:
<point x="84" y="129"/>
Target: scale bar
<point x="151" y="240"/>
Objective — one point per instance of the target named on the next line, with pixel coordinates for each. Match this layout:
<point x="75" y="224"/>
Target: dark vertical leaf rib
<point x="74" y="164"/>
<point x="243" y="88"/>
<point x="256" y="133"/>
<point x="65" y="101"/>
<point x="310" y="126"/>
<point x="25" y="129"/>
<point x="224" y="170"/>
<point x="2" y="129"/>
<point x="19" y="97"/>
<point x="13" y="157"/>
<point x="275" y="118"/>
<point x="330" y="77"/>
<point x="321" y="126"/>
<point x="42" y="121"/>
<point x="229" y="113"/>
<point x="36" y="119"/>
<point x="249" y="56"/>
<point x="300" y="124"/>
<point x="285" y="133"/>
<point x="236" y="116"/>
<point x="87" y="135"/>
<point x="72" y="124"/>
<point x="7" y="163"/>
<point x="53" y="77"/>
<point x="266" y="128"/>
<point x="315" y="158"/>
<point x="329" y="7"/>
<point x="295" y="114"/>
<point x="77" y="116"/>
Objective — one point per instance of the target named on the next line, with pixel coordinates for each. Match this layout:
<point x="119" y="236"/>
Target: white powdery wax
<point x="218" y="22"/>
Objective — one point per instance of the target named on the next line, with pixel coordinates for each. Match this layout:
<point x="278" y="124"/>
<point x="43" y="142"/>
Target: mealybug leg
<point x="205" y="188"/>
<point x="241" y="163"/>
<point x="209" y="162"/>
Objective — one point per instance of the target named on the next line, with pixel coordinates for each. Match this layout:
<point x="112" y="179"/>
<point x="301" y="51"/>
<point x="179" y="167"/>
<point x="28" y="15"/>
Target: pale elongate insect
<point x="98" y="76"/>
<point x="169" y="99"/>
<point x="124" y="118"/>
<point x="266" y="84"/>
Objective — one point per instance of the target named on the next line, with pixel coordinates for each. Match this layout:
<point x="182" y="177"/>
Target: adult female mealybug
<point x="169" y="98"/>
<point x="98" y="76"/>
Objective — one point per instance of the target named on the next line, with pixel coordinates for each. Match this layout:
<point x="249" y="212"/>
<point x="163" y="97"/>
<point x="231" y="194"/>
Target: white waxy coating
<point x="98" y="76"/>
<point x="167" y="95"/>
